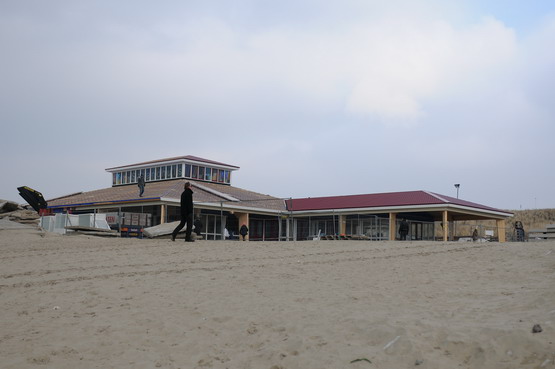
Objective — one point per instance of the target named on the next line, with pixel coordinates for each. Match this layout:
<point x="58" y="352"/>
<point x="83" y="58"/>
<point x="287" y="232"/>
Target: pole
<point x="333" y="220"/>
<point x="222" y="220"/>
<point x="291" y="222"/>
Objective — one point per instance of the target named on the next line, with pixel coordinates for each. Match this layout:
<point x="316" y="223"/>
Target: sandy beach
<point x="88" y="302"/>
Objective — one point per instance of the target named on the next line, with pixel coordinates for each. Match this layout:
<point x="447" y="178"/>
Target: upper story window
<point x="172" y="171"/>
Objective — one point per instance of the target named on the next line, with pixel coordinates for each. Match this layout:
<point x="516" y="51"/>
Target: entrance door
<point x="256" y="229"/>
<point x="415" y="231"/>
<point x="212" y="226"/>
<point x="263" y="229"/>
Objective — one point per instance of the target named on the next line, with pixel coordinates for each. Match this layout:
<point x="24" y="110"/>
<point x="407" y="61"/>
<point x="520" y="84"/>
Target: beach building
<point x="221" y="206"/>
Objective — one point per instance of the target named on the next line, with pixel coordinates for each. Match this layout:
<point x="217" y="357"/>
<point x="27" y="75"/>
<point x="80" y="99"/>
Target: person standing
<point x="243" y="231"/>
<point x="141" y="184"/>
<point x="519" y="229"/>
<point x="404" y="229"/>
<point x="186" y="213"/>
<point x="475" y="235"/>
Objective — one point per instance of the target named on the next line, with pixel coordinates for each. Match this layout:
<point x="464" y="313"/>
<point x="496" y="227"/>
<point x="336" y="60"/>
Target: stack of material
<point x="8" y="206"/>
<point x="359" y="237"/>
<point x="161" y="230"/>
<point x="68" y="223"/>
<point x="92" y="231"/>
<point x="548" y="233"/>
<point x="164" y="231"/>
<point x="13" y="211"/>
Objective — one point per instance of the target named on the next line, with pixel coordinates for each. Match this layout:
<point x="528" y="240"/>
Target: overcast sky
<point x="310" y="98"/>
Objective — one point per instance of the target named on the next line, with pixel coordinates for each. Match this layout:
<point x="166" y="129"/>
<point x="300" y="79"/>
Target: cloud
<point x="335" y="96"/>
<point x="406" y="67"/>
<point x="388" y="69"/>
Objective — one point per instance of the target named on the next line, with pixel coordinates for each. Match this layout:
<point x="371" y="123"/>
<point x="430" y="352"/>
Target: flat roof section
<point x="177" y="158"/>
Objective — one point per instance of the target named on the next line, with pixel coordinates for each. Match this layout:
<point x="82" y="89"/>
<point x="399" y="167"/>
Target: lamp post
<point x="457" y="185"/>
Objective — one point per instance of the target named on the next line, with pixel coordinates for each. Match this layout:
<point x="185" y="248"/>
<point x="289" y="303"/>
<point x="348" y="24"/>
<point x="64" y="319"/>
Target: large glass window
<point x="271" y="229"/>
<point x="210" y="224"/>
<point x="170" y="172"/>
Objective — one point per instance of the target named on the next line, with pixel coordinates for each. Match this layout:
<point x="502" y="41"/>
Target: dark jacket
<point x="187" y="202"/>
<point x="244" y="230"/>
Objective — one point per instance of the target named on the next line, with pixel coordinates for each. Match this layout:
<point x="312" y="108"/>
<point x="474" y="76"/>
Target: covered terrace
<point x="377" y="216"/>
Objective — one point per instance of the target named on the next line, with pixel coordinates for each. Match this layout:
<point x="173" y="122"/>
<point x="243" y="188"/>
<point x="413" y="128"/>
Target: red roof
<point x="391" y="199"/>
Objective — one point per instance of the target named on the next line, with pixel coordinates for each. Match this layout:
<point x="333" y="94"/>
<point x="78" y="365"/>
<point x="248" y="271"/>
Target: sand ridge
<point x="81" y="301"/>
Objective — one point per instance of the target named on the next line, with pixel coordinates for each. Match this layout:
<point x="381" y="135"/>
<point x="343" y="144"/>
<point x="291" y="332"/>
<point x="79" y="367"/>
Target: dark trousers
<point x="184" y="219"/>
<point x="141" y="190"/>
<point x="403" y="235"/>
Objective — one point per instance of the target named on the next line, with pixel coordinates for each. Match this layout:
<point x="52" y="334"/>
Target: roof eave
<point x="170" y="161"/>
<point x="401" y="208"/>
<point x="87" y="205"/>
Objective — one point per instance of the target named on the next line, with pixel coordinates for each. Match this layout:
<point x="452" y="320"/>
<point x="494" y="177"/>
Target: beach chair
<point x="317" y="238"/>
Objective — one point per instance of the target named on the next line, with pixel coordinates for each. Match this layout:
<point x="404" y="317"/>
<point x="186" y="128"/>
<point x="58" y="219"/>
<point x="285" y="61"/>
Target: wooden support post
<point x="445" y="226"/>
<point x="163" y="212"/>
<point x="501" y="230"/>
<point x="392" y="226"/>
<point x="342" y="224"/>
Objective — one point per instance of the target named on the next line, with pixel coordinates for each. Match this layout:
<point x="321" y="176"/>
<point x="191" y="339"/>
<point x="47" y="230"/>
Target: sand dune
<point x="86" y="302"/>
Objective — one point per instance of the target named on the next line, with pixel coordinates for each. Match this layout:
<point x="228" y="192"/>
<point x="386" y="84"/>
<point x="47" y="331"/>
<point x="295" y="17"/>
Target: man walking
<point x="186" y="213"/>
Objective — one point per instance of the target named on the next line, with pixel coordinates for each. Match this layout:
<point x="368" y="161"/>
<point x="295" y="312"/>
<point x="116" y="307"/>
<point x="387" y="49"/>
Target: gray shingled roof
<point x="204" y="192"/>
